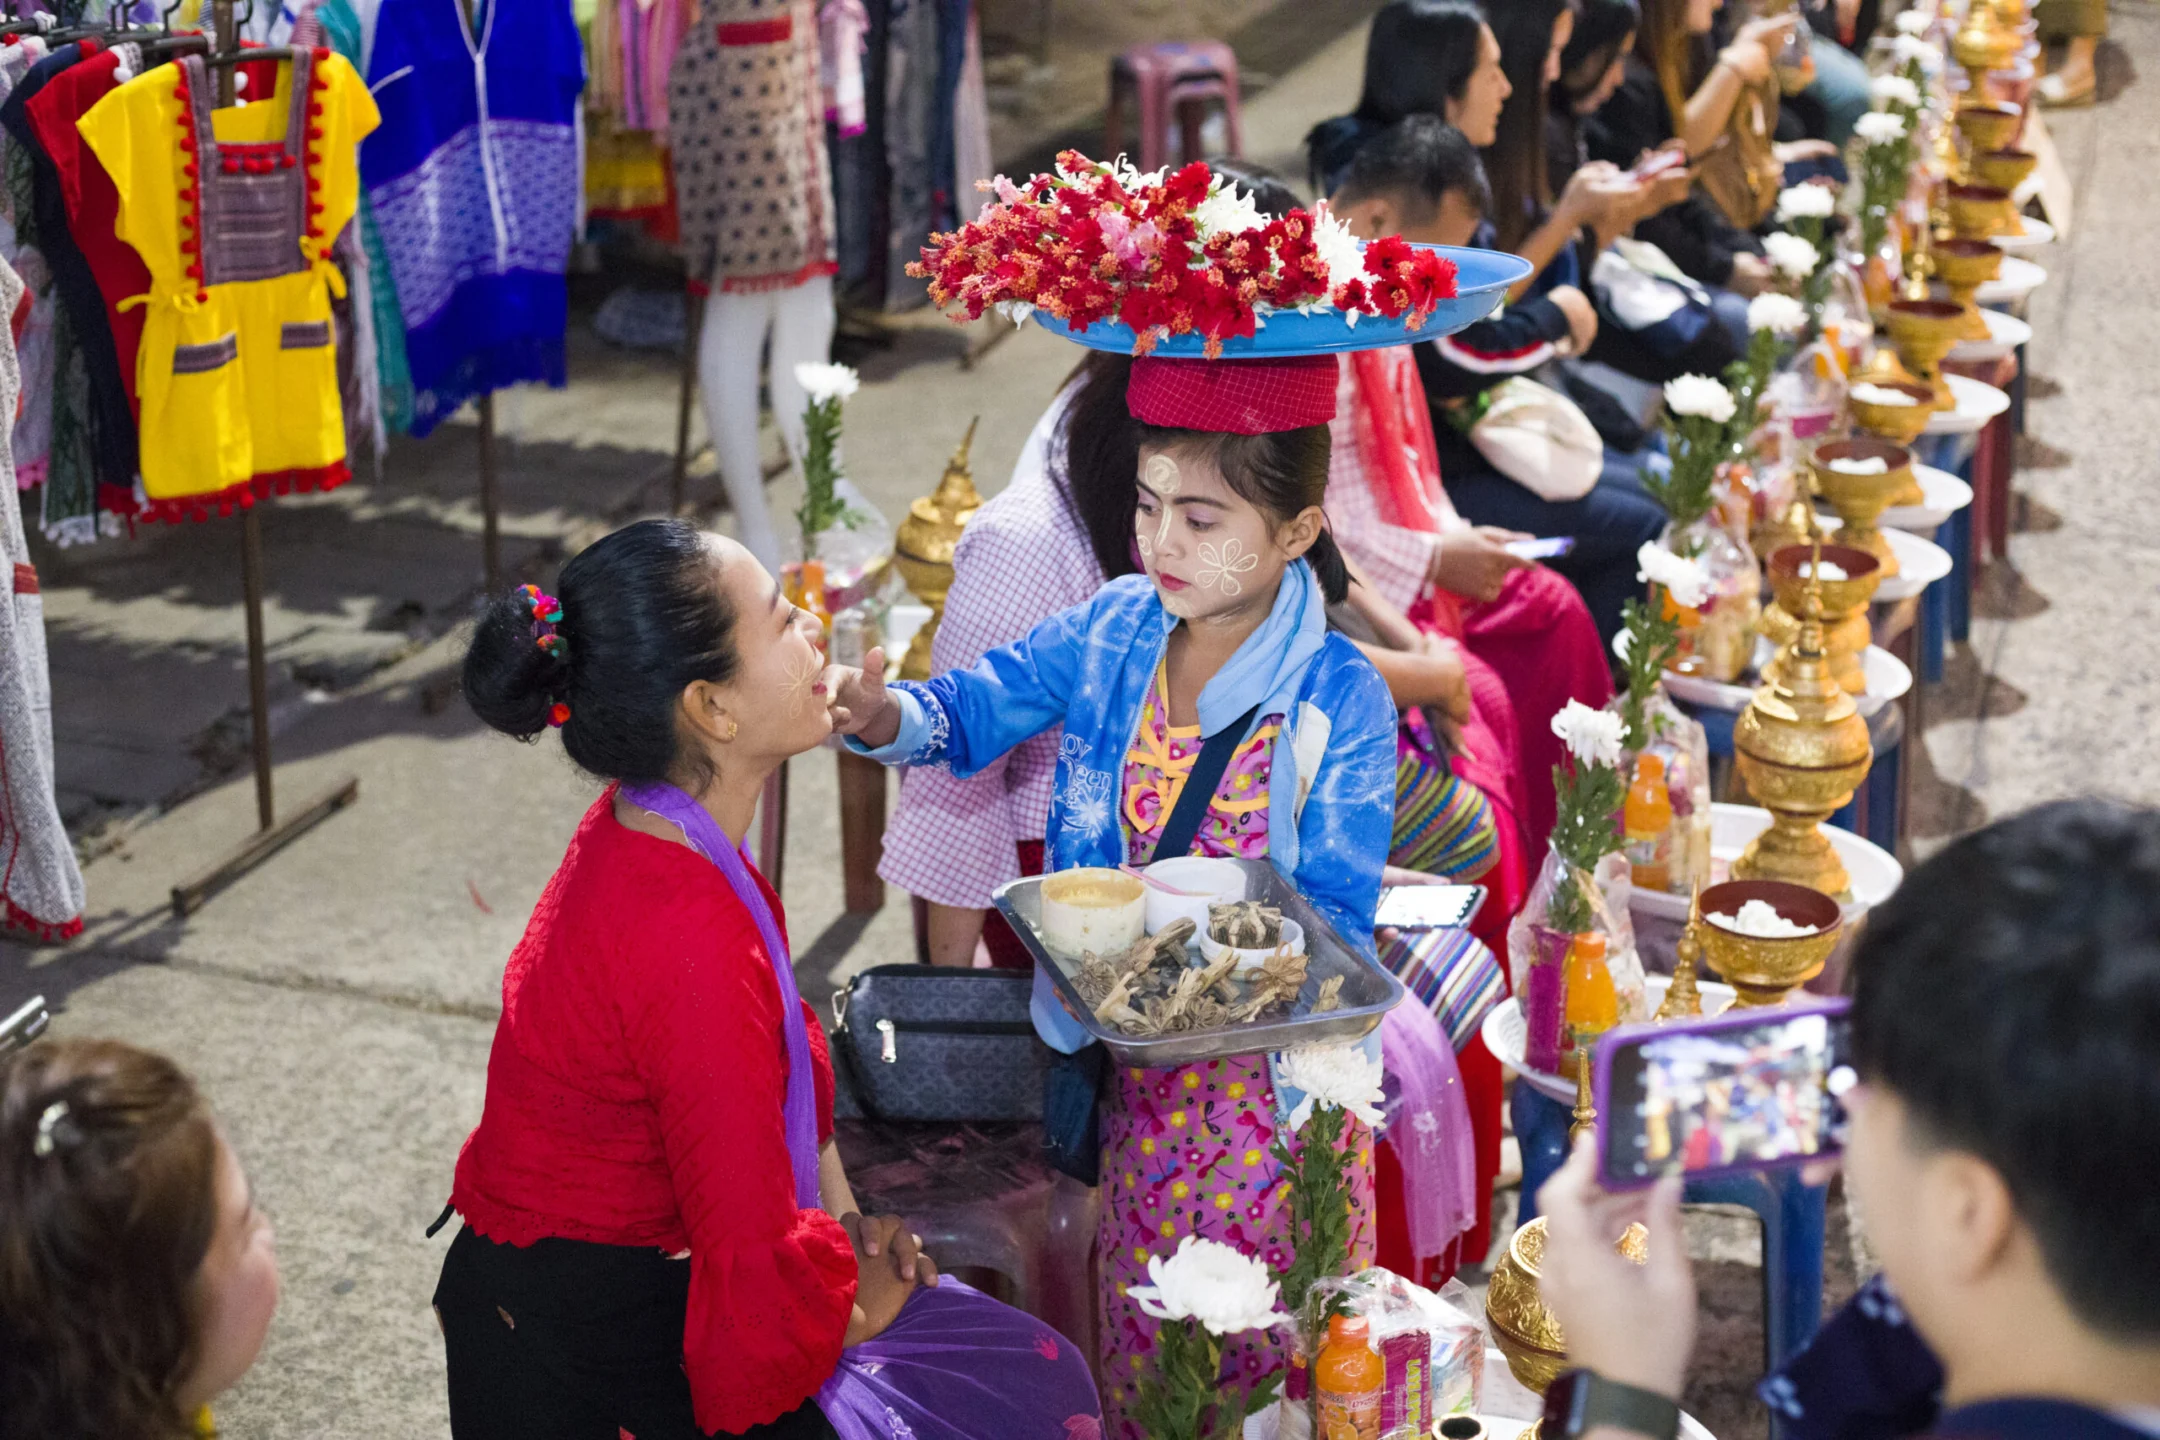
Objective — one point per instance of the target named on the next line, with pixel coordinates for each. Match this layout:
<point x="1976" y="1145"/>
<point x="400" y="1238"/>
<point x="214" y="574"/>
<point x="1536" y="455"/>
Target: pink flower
<point x="1046" y="1346"/>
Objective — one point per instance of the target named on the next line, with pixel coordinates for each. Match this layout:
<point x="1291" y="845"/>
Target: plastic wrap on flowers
<point x="1683" y="747"/>
<point x="857" y="552"/>
<point x="1538" y="952"/>
<point x="1431" y="1343"/>
<point x="1717" y="640"/>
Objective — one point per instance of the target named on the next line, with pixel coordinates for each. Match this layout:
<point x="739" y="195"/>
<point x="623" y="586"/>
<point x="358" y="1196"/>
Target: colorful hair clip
<point x="557" y="714"/>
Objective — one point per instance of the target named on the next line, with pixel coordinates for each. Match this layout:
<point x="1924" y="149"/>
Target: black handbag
<point x="931" y="1042"/>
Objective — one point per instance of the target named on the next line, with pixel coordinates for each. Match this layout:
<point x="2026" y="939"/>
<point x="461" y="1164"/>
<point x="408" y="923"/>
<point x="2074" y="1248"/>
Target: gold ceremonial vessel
<point x="1860" y="499"/>
<point x="1766" y="969"/>
<point x="1801" y="749"/>
<point x="1898" y="424"/>
<point x="1984" y="43"/>
<point x="1978" y="211"/>
<point x="1515" y="1312"/>
<point x="1964" y="266"/>
<point x="2004" y="169"/>
<point x="1846" y="634"/>
<point x="1988" y="126"/>
<point x="1683" y="1001"/>
<point x="1924" y="331"/>
<point x="923" y="548"/>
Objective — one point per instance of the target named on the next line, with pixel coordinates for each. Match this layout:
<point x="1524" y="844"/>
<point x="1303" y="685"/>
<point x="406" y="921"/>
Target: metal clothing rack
<point x="272" y="834"/>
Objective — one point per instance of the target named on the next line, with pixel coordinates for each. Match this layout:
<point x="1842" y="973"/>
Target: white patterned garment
<point x="43" y="884"/>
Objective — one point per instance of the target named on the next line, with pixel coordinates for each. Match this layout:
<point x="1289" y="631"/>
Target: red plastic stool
<point x="1174" y="79"/>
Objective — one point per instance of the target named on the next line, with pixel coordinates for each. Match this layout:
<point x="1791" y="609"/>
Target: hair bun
<point x="511" y="682"/>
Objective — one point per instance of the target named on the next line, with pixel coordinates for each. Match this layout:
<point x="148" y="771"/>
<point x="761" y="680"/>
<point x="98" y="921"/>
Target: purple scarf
<point x="705" y="836"/>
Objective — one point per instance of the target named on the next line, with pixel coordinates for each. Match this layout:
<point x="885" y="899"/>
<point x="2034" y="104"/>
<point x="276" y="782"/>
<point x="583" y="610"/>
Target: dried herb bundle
<point x="1152" y="989"/>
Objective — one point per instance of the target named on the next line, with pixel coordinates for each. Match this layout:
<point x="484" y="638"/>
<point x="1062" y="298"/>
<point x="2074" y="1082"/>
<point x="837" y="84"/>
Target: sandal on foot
<point x="2055" y="95"/>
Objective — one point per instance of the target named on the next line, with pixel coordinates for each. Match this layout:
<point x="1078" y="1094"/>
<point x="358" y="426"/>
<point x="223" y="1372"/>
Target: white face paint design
<point x="1209" y="551"/>
<point x="1164" y="478"/>
<point x="800" y="672"/>
<point x="1220" y="566"/>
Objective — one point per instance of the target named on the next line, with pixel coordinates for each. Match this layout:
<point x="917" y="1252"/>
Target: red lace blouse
<point x="634" y="1097"/>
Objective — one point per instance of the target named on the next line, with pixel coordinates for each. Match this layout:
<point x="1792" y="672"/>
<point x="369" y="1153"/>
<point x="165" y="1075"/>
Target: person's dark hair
<point x="1419" y="55"/>
<point x="1416" y="161"/>
<point x="642" y="617"/>
<point x="1282" y="473"/>
<point x="101" y="1238"/>
<point x="1515" y="161"/>
<point x="1603" y="29"/>
<point x="1673" y="55"/>
<point x="2009" y="995"/>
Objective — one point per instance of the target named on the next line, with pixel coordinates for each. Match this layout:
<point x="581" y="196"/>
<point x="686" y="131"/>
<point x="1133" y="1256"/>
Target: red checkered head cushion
<point x="1233" y="397"/>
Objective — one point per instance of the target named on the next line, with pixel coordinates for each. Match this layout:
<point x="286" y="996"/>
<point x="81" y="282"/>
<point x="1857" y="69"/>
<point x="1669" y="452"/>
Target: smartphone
<point x="1744" y="1091"/>
<point x="1551" y="549"/>
<point x="25" y="1025"/>
<point x="1428" y="907"/>
<point x="1660" y="162"/>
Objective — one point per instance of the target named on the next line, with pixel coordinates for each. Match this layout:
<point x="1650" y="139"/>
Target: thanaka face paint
<point x="1210" y="551"/>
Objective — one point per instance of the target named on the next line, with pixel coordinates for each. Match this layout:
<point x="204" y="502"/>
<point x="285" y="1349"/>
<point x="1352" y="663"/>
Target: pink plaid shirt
<point x="1021" y="559"/>
<point x="1397" y="560"/>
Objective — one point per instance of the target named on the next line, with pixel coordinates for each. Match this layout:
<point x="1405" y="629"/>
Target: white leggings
<point x="800" y="321"/>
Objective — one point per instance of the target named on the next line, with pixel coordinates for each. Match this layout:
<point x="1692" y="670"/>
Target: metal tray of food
<point x="1368" y="990"/>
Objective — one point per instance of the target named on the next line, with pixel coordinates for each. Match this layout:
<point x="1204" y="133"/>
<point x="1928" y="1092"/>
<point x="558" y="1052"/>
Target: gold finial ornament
<point x="1682" y="1000"/>
<point x="1585" y="1114"/>
<point x="923" y="548"/>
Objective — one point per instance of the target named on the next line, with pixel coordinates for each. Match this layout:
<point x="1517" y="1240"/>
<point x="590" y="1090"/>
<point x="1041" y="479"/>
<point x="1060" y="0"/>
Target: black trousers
<point x="567" y="1340"/>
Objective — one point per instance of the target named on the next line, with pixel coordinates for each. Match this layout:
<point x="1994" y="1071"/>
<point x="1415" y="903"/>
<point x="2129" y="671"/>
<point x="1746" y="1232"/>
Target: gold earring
<point x="732" y="727"/>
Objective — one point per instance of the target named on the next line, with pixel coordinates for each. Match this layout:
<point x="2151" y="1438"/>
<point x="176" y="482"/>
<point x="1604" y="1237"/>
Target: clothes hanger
<point x="244" y="54"/>
<point x="172" y="44"/>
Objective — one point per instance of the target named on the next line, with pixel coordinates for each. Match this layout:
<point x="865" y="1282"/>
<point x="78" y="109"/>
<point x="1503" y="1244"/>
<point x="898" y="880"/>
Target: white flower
<point x="1895" y="90"/>
<point x="1792" y="255"/>
<point x="1880" y="127"/>
<point x="1334" y="1077"/>
<point x="1914" y="22"/>
<point x="1133" y="181"/>
<point x="1684" y="579"/>
<point x="1912" y="50"/>
<point x="1623" y="645"/>
<point x="1781" y="315"/>
<point x="1591" y="736"/>
<point x="1699" y="395"/>
<point x="1339" y="249"/>
<point x="827" y="382"/>
<point x="1227" y="211"/>
<point x="1805" y="202"/>
<point x="1208" y="1281"/>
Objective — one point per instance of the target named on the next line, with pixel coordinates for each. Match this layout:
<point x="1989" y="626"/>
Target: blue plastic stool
<point x="1792" y="1214"/>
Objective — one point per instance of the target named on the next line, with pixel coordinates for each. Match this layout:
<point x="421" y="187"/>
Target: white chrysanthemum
<point x="1914" y="22"/>
<point x="1781" y="315"/>
<point x="1880" y="127"/>
<point x="1684" y="579"/>
<point x="1339" y="249"/>
<point x="1133" y="181"/>
<point x="1227" y="211"/>
<point x="1335" y="1077"/>
<point x="1912" y="50"/>
<point x="1208" y="1281"/>
<point x="827" y="382"/>
<point x="1894" y="90"/>
<point x="1793" y="256"/>
<point x="1805" y="202"/>
<point x="1591" y="736"/>
<point x="1699" y="395"/>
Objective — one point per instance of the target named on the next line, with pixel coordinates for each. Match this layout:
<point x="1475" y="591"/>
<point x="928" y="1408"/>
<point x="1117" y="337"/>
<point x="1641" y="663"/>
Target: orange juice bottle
<point x="813" y="594"/>
<point x="1349" y="1378"/>
<point x="1648" y="821"/>
<point x="1593" y="1006"/>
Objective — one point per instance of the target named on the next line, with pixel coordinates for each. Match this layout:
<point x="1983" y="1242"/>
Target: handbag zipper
<point x="889" y="1032"/>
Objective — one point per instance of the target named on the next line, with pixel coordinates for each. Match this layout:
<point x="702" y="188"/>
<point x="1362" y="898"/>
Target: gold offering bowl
<point x="1765" y="970"/>
<point x="2003" y="169"/>
<point x="1988" y="127"/>
<point x="1978" y="211"/>
<point x="1924" y="331"/>
<point x="1521" y="1326"/>
<point x="1982" y="44"/>
<point x="1898" y="424"/>
<point x="1964" y="266"/>
<point x="1861" y="499"/>
<point x="1846" y="634"/>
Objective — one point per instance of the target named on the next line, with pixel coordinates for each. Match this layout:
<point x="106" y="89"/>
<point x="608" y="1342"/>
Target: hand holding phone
<point x="1547" y="549"/>
<point x="1428" y="907"/>
<point x="25" y="1025"/>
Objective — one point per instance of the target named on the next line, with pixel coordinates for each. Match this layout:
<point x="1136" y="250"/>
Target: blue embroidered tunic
<point x="474" y="180"/>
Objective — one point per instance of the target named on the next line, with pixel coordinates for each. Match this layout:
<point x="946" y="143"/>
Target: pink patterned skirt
<point x="1188" y="1152"/>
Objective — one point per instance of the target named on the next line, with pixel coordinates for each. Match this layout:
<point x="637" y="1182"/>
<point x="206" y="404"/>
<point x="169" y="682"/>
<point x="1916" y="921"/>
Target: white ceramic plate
<point x="1875" y="872"/>
<point x="2005" y="333"/>
<point x="1921" y="562"/>
<point x="1943" y="495"/>
<point x="2037" y="233"/>
<point x="1888" y="678"/>
<point x="2018" y="279"/>
<point x="1977" y="403"/>
<point x="1505" y="1033"/>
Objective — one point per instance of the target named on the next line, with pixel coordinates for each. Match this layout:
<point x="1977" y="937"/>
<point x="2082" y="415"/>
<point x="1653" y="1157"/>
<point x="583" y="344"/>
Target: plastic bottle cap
<point x="1649" y="767"/>
<point x="1591" y="945"/>
<point x="1348" y="1329"/>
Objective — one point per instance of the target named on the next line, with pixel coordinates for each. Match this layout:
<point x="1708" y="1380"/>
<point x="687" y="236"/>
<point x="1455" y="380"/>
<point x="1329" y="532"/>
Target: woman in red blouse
<point x="649" y="1248"/>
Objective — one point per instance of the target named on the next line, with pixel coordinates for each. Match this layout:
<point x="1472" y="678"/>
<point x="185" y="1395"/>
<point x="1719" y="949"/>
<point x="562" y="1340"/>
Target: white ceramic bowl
<point x="1212" y="950"/>
<point x="1214" y="882"/>
<point x="1092" y="908"/>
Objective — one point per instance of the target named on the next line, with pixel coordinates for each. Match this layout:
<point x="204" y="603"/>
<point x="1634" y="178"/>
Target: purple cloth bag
<point x="955" y="1365"/>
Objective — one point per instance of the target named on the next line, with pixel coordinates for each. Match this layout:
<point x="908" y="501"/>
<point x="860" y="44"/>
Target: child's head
<point x="1420" y="179"/>
<point x="2006" y="1025"/>
<point x="137" y="1278"/>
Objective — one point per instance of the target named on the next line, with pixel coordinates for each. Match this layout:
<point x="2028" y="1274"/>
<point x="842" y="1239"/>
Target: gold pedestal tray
<point x="1924" y="331"/>
<point x="1964" y="266"/>
<point x="1767" y="969"/>
<point x="1978" y="211"/>
<point x="1860" y="499"/>
<point x="1988" y="126"/>
<point x="2004" y="169"/>
<point x="1846" y="634"/>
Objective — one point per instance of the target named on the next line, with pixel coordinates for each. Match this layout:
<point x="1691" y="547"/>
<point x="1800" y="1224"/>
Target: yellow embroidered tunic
<point x="234" y="212"/>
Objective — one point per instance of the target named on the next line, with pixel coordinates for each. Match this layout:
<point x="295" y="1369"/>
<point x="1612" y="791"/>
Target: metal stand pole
<point x="490" y="506"/>
<point x="694" y="322"/>
<point x="270" y="836"/>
